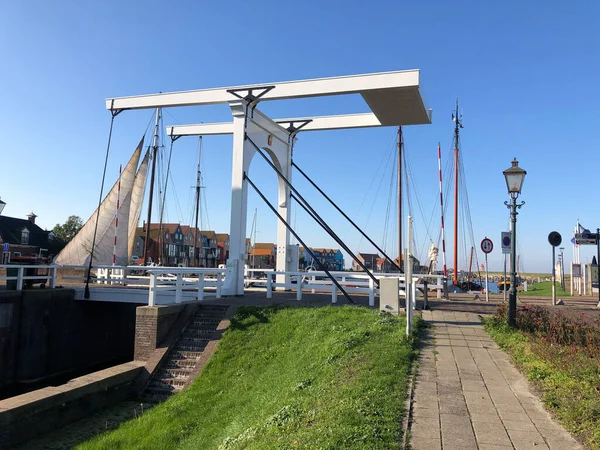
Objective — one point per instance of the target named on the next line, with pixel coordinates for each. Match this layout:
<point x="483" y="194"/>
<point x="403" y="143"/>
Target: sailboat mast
<point x="442" y="210"/>
<point x="457" y="125"/>
<point x="197" y="255"/>
<point x="470" y="268"/>
<point x="253" y="231"/>
<point x="114" y="255"/>
<point x="151" y="194"/>
<point x="400" y="249"/>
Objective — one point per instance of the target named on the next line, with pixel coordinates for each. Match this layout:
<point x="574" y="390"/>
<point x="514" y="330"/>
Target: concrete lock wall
<point x="46" y="336"/>
<point x="29" y="415"/>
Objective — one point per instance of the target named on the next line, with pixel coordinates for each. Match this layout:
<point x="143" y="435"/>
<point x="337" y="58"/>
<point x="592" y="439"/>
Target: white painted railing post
<point x="414" y="294"/>
<point x="152" y="290"/>
<point x="219" y="284"/>
<point x="20" y="278"/>
<point x="299" y="288"/>
<point x="178" y="287"/>
<point x="52" y="277"/>
<point x="371" y="292"/>
<point x="333" y="293"/>
<point x="201" y="286"/>
<point x="313" y="278"/>
<point x="269" y="286"/>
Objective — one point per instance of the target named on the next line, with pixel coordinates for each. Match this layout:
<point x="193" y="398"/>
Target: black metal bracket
<point x="516" y="205"/>
<point x="114" y="112"/>
<point x="291" y="127"/>
<point x="250" y="97"/>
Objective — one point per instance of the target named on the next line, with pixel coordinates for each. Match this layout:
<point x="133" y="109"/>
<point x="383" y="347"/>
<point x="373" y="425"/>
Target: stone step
<point x="180" y="363"/>
<point x="207" y="307"/>
<point x="202" y="330"/>
<point x="191" y="347"/>
<point x="210" y="314"/>
<point x="204" y="322"/>
<point x="195" y="340"/>
<point x="176" y="383"/>
<point x="174" y="372"/>
<point x="185" y="354"/>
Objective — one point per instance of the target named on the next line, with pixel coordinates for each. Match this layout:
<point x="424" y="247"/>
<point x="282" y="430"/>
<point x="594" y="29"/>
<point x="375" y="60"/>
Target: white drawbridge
<point x="393" y="97"/>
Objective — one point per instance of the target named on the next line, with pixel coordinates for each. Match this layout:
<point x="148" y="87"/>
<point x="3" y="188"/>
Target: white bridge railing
<point x="176" y="283"/>
<point x="30" y="274"/>
<point x="352" y="282"/>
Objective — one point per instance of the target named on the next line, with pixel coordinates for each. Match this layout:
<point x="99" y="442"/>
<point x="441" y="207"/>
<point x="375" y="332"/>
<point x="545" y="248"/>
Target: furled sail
<point x="77" y="252"/>
<point x="137" y="197"/>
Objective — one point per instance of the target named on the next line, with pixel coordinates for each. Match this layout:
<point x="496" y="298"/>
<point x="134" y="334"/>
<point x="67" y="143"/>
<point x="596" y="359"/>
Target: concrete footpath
<point x="468" y="395"/>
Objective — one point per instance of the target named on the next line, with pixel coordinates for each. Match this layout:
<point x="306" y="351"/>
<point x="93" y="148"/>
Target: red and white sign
<point x="487" y="245"/>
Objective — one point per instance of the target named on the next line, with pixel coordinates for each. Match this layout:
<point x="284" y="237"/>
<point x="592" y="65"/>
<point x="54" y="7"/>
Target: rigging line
<point x="164" y="197"/>
<point x="340" y="210"/>
<point x="306" y="248"/>
<point x="206" y="208"/>
<point x="171" y="115"/>
<point x="409" y="200"/>
<point x="300" y="199"/>
<point x="373" y="202"/>
<point x="114" y="114"/>
<point x="389" y="202"/>
<point x="177" y="203"/>
<point x="335" y="237"/>
<point x="468" y="213"/>
<point x="381" y="160"/>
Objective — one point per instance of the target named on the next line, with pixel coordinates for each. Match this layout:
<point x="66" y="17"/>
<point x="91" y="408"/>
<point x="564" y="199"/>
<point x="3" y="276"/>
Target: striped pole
<point x="442" y="210"/>
<point x="114" y="259"/>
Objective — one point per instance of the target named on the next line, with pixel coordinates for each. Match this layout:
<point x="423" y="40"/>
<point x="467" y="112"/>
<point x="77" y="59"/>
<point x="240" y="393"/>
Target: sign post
<point x="487" y="246"/>
<point x="598" y="260"/>
<point x="554" y="238"/>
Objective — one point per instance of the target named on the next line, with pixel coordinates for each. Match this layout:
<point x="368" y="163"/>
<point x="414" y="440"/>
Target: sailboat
<point x="114" y="222"/>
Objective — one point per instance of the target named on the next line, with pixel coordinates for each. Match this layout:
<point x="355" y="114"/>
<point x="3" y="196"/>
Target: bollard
<point x="445" y="283"/>
<point x="425" y="296"/>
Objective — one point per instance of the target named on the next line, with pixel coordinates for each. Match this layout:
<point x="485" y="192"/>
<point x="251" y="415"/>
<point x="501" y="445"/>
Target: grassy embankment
<point x="560" y="354"/>
<point x="543" y="289"/>
<point x="333" y="377"/>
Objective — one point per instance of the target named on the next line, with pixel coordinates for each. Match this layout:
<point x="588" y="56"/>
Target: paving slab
<point x="468" y="394"/>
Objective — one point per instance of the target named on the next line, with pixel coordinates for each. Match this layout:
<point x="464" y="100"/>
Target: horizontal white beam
<point x="316" y="123"/>
<point x="318" y="87"/>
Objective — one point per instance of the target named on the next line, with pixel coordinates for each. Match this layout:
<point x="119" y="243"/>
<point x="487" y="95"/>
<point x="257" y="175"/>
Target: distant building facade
<point x="21" y="240"/>
<point x="330" y="258"/>
<point x="263" y="255"/>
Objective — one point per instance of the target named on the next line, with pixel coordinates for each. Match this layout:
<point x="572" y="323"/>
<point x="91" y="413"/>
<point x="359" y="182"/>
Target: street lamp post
<point x="514" y="182"/>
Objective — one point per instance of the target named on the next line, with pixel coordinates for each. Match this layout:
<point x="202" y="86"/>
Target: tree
<point x="68" y="230"/>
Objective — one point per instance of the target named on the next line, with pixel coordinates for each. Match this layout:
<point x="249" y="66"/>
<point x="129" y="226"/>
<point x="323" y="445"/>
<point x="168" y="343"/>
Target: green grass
<point x="543" y="289"/>
<point x="325" y="378"/>
<point x="568" y="380"/>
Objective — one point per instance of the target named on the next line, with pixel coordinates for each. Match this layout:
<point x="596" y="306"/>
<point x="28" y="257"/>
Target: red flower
<point x="574" y="349"/>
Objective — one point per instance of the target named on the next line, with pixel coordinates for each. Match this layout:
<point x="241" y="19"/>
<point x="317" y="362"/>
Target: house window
<point x="25" y="236"/>
<point x="166" y="235"/>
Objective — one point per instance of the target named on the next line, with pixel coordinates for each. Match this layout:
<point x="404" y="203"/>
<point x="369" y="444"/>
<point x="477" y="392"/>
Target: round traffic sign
<point x="506" y="241"/>
<point x="487" y="245"/>
<point x="554" y="238"/>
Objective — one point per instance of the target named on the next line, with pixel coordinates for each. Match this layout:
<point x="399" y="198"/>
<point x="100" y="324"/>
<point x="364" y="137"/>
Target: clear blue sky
<point x="526" y="75"/>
